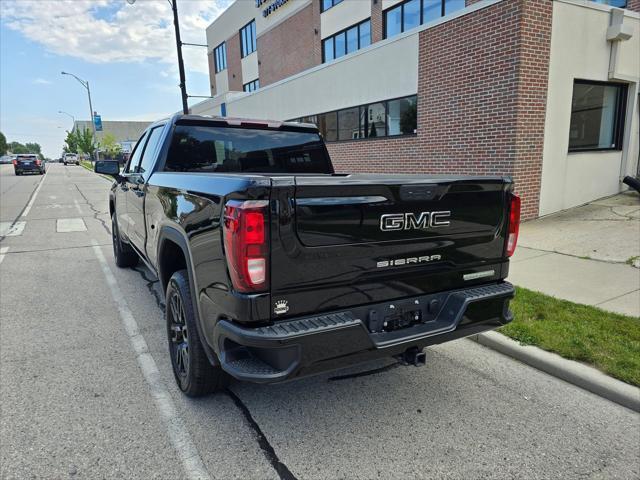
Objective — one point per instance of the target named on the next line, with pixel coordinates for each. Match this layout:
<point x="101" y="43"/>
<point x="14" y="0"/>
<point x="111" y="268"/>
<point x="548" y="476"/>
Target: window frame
<point x="343" y="32"/>
<point x="151" y="131"/>
<point x="251" y="86"/>
<point x="142" y="141"/>
<point x="401" y="5"/>
<point x="333" y="4"/>
<point x="363" y="128"/>
<point x="220" y="57"/>
<point x="619" y="122"/>
<point x="250" y="30"/>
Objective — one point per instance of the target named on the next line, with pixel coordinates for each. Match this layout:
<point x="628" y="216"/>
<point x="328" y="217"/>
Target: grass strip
<point x="605" y="340"/>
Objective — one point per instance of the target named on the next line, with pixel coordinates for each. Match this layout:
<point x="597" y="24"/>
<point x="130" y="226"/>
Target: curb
<point x="570" y="371"/>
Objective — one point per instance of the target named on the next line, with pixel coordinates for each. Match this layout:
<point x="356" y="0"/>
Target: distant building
<point x="125" y="133"/>
<point x="544" y="91"/>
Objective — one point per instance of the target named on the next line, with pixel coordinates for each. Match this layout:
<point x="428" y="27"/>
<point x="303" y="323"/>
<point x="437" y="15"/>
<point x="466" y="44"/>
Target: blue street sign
<point x="97" y="121"/>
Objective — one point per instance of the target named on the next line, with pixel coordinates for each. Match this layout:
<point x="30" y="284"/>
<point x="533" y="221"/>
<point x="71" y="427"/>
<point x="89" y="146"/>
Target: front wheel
<point x="193" y="372"/>
<point x="123" y="254"/>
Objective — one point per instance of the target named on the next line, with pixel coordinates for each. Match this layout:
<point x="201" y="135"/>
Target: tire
<point x="65" y="164"/>
<point x="193" y="372"/>
<point x="123" y="254"/>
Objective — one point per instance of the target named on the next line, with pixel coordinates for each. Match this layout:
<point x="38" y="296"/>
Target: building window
<point x="346" y="41"/>
<point x="402" y="116"/>
<point x="248" y="39"/>
<point x="613" y="3"/>
<point x="220" y="55"/>
<point x="597" y="116"/>
<point x="375" y="120"/>
<point x="327" y="4"/>
<point x="412" y="13"/>
<point x="251" y="86"/>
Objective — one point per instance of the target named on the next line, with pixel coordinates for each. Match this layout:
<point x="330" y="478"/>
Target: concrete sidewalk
<point x="584" y="255"/>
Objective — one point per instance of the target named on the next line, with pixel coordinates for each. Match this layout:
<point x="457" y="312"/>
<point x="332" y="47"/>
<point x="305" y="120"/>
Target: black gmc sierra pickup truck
<point x="275" y="267"/>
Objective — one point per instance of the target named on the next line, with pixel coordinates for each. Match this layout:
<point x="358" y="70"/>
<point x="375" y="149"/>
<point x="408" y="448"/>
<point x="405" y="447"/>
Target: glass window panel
<point x="431" y="10"/>
<point x="326" y="4"/>
<point x="352" y="39"/>
<point x="451" y="6"/>
<point x="376" y="121"/>
<point x="134" y="160"/>
<point x="349" y="124"/>
<point x="402" y="116"/>
<point x="594" y="114"/>
<point x="328" y="126"/>
<point x="254" y="37"/>
<point x="340" y="45"/>
<point x="328" y="50"/>
<point x="411" y="14"/>
<point x="148" y="155"/>
<point x="393" y="22"/>
<point x="365" y="34"/>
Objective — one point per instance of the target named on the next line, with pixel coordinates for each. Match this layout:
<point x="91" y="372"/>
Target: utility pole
<point x="183" y="86"/>
<point x="85" y="84"/>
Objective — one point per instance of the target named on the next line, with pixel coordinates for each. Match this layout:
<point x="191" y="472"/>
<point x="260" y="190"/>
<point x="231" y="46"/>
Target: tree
<point x="3" y="144"/>
<point x="109" y="145"/>
<point x="71" y="142"/>
<point x="34" y="148"/>
<point x="17" y="147"/>
<point x="85" y="141"/>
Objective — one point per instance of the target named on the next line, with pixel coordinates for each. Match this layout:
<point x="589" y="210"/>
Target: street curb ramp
<point x="573" y="372"/>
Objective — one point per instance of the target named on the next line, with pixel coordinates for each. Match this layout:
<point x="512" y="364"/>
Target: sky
<point x="127" y="53"/>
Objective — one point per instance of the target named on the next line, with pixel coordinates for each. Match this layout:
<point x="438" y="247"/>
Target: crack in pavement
<point x="15" y="220"/>
<point x="151" y="287"/>
<point x="55" y="249"/>
<point x="94" y="210"/>
<point x="270" y="454"/>
<point x="581" y="257"/>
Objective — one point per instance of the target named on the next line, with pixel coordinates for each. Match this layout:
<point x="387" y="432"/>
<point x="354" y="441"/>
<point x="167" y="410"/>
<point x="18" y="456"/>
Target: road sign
<point x="97" y="121"/>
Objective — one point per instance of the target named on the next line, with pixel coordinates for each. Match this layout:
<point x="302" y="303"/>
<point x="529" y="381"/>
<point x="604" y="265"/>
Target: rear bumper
<point x="306" y="346"/>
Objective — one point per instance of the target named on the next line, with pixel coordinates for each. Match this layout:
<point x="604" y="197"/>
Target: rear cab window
<point x="228" y="149"/>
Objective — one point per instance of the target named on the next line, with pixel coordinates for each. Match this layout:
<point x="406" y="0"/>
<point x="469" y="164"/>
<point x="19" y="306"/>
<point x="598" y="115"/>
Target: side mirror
<point x="107" y="167"/>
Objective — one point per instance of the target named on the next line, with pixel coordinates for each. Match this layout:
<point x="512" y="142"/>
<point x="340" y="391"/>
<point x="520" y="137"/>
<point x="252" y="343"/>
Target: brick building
<point x="544" y="91"/>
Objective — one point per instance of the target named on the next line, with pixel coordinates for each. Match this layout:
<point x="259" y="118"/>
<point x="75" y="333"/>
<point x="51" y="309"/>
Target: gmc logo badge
<point x="414" y="221"/>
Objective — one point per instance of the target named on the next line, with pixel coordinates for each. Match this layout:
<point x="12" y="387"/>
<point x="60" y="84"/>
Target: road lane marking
<point x="66" y="225"/>
<point x="77" y="206"/>
<point x="3" y="252"/>
<point x="176" y="429"/>
<point x="33" y="197"/>
<point x="8" y="229"/>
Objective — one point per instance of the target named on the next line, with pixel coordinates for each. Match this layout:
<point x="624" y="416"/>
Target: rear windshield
<point x="26" y="157"/>
<point x="228" y="149"/>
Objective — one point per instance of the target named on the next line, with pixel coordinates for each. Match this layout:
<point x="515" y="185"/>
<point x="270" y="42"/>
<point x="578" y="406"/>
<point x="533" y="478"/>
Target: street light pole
<point x="69" y="115"/>
<point x="176" y="25"/>
<point x="85" y="84"/>
<point x="183" y="86"/>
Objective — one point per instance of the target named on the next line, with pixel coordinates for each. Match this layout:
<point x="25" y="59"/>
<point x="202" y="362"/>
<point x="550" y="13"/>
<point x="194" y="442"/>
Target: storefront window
<point x="402" y="116"/>
<point x="376" y="124"/>
<point x="349" y="124"/>
<point x="597" y="116"/>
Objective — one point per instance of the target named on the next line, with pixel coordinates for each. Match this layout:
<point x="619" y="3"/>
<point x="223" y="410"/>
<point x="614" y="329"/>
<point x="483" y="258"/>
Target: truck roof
<point x="241" y="122"/>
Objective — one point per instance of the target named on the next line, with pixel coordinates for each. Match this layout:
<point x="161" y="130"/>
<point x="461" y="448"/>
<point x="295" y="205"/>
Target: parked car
<point x="275" y="267"/>
<point x="28" y="163"/>
<point x="7" y="159"/>
<point x="70" y="159"/>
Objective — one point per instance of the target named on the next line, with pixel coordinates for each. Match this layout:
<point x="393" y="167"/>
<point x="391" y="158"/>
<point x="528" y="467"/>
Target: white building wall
<point x="579" y="50"/>
<point x="344" y="15"/>
<point x="250" y="67"/>
<point x="345" y="82"/>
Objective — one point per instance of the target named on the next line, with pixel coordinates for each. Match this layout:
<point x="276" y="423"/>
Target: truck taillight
<point x="246" y="244"/>
<point x="514" y="224"/>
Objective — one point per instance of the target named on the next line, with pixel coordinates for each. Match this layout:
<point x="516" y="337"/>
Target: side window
<point x="134" y="160"/>
<point x="148" y="156"/>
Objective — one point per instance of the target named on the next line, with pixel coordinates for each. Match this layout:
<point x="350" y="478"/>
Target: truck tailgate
<point x="341" y="241"/>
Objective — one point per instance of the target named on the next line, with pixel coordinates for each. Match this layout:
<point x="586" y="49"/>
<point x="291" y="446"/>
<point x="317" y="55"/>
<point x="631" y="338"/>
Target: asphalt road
<point x="86" y="388"/>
